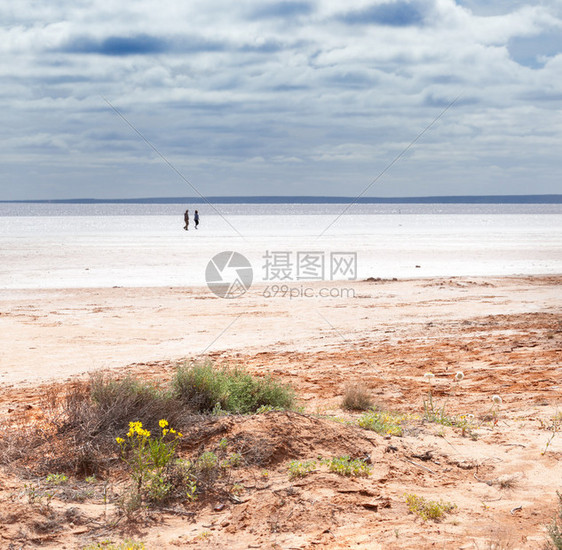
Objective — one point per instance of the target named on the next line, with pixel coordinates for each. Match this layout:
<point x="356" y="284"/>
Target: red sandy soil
<point x="505" y="335"/>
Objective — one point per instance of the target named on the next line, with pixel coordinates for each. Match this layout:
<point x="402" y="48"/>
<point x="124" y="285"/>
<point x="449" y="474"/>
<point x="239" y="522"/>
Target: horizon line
<point x="307" y="199"/>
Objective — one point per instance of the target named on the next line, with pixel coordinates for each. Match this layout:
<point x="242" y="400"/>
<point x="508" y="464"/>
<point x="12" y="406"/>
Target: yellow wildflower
<point x="119" y="440"/>
<point x="163" y="423"/>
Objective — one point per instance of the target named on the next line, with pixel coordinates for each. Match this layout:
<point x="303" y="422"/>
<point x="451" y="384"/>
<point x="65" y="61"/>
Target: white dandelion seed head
<point x="459" y="376"/>
<point x="429" y="376"/>
<point x="470" y="416"/>
<point x="496" y="399"/>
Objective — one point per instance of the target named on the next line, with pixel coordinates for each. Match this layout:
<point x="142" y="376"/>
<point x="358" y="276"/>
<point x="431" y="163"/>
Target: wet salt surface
<point x="92" y="246"/>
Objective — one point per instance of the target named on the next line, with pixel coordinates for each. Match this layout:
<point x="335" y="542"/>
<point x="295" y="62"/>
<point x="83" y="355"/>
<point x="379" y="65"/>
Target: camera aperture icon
<point x="229" y="274"/>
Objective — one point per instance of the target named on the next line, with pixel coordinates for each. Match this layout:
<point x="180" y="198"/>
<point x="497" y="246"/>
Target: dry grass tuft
<point x="507" y="482"/>
<point x="78" y="425"/>
<point x="357" y="398"/>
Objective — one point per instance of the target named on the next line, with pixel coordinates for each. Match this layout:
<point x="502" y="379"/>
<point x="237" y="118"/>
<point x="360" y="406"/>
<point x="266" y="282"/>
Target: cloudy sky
<point x="254" y="97"/>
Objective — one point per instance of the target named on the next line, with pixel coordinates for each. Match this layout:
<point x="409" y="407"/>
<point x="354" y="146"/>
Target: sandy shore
<point x="54" y="334"/>
<point x="504" y="334"/>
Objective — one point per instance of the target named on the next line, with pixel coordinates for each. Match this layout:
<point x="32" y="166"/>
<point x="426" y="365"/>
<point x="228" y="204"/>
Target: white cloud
<point x="268" y="98"/>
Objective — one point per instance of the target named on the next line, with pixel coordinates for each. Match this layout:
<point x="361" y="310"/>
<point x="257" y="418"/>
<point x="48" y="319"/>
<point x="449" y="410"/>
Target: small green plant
<point x="428" y="509"/>
<point x="555" y="528"/>
<point x="430" y="412"/>
<point x="438" y="415"/>
<point x="56" y="479"/>
<point x="357" y="398"/>
<point x="207" y="461"/>
<point x="148" y="457"/>
<point x="36" y="496"/>
<point x="183" y="470"/>
<point x="382" y="422"/>
<point x="346" y="466"/>
<point x="301" y="469"/>
<point x="494" y="409"/>
<point x="91" y="479"/>
<point x="233" y="461"/>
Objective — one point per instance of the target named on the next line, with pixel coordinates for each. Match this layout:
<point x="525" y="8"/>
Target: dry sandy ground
<point x="504" y="334"/>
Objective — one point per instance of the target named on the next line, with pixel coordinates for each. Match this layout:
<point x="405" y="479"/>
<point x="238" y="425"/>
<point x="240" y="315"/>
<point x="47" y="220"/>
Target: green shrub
<point x="206" y="388"/>
<point x="201" y="387"/>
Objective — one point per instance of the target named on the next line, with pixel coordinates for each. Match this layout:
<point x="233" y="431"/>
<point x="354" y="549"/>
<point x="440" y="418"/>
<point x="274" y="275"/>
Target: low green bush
<point x="204" y="388"/>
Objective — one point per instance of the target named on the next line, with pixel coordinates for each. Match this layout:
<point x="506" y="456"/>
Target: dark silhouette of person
<point x="196" y="219"/>
<point x="186" y="220"/>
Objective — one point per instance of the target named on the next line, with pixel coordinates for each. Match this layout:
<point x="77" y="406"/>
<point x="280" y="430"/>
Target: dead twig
<point x="486" y="481"/>
<point x="420" y="466"/>
<point x="176" y="511"/>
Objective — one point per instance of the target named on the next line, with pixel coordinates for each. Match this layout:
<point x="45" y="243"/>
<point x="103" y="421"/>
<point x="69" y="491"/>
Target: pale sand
<point x="54" y="334"/>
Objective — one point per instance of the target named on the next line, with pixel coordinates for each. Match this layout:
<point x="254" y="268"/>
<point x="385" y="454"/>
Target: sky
<point x="105" y="99"/>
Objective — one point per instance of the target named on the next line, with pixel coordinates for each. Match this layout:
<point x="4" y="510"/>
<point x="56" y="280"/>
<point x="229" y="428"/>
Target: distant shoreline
<point x="462" y="199"/>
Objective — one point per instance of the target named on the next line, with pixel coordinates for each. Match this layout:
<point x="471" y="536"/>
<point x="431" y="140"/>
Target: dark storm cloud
<point x="140" y="44"/>
<point x="144" y="44"/>
<point x="393" y="14"/>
